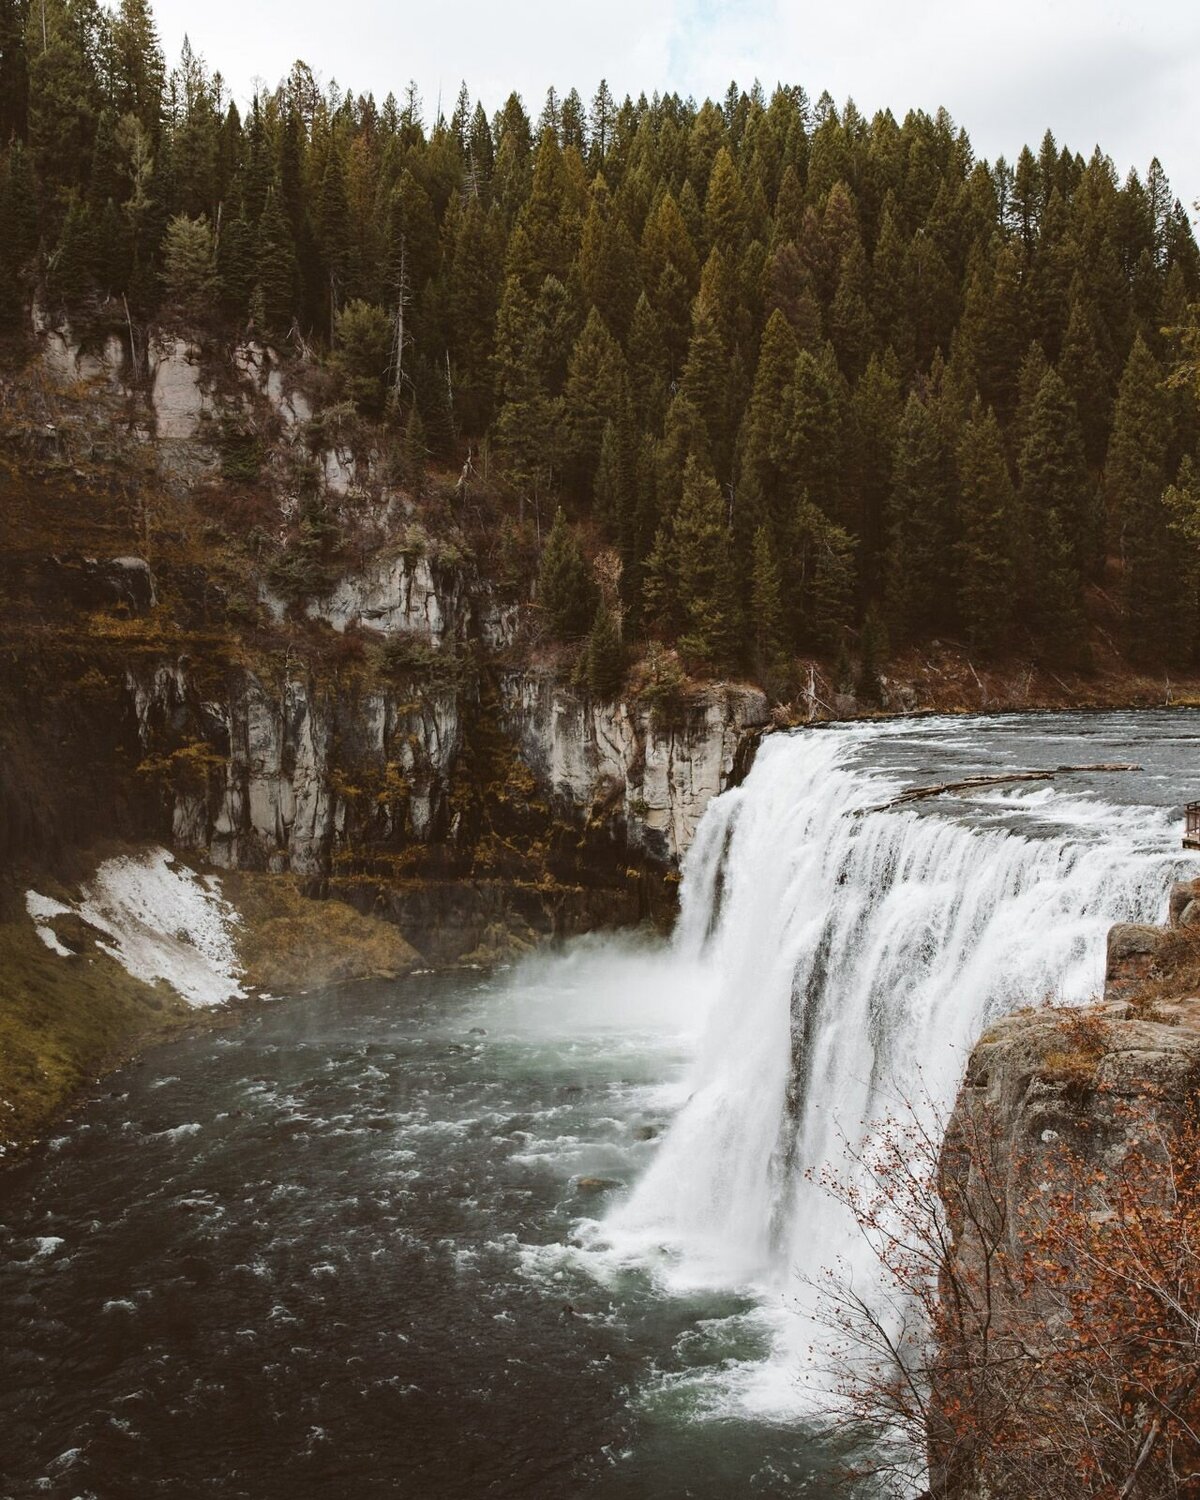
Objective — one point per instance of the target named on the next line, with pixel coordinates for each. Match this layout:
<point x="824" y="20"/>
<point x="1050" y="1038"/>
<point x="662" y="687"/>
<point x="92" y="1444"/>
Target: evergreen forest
<point x="819" y="383"/>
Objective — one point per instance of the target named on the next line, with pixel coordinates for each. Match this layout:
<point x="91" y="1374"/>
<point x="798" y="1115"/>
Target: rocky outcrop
<point x="1132" y="949"/>
<point x="90" y="583"/>
<point x="1069" y="1123"/>
<point x="291" y="774"/>
<point x="407" y="593"/>
<point x="178" y="391"/>
<point x="605" y="760"/>
<point x="1044" y="1080"/>
<point x="295" y="775"/>
<point x="257" y="737"/>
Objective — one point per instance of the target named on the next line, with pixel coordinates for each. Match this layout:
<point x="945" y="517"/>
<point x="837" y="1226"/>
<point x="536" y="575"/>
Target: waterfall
<point x="853" y="957"/>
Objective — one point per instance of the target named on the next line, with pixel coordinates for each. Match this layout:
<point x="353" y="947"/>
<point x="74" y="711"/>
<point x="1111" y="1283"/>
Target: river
<point x="544" y="1232"/>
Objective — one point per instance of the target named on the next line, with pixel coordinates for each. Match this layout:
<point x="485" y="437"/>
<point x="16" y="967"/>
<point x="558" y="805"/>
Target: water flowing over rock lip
<point x="855" y="958"/>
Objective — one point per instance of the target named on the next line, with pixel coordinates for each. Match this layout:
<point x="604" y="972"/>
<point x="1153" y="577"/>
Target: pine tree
<point x="565" y="593"/>
<point x="1053" y="462"/>
<point x="1054" y="497"/>
<point x="814" y="432"/>
<point x="1029" y="383"/>
<point x="236" y="266"/>
<point x="725" y="207"/>
<point x="703" y="583"/>
<point x="593" y="396"/>
<point x="605" y="656"/>
<point x="873" y="653"/>
<point x="601" y="123"/>
<point x="875" y="421"/>
<point x="649" y="365"/>
<point x="72" y="276"/>
<point x="765" y="476"/>
<point x="189" y="271"/>
<point x="412" y="228"/>
<point x="14" y="71"/>
<point x="334" y="232"/>
<point x="473" y="296"/>
<point x="150" y="189"/>
<point x="136" y="62"/>
<point x="1087" y="384"/>
<point x="529" y="415"/>
<point x="788" y="288"/>
<point x="1004" y="337"/>
<point x="572" y="123"/>
<point x="550" y="217"/>
<point x="990" y="535"/>
<point x="275" y="269"/>
<point x="849" y="316"/>
<point x="64" y="45"/>
<point x="919" y="582"/>
<point x="613" y="482"/>
<point x="666" y="243"/>
<point x="107" y="180"/>
<point x="822" y="578"/>
<point x="1135" y="479"/>
<point x="1182" y="502"/>
<point x="706" y="384"/>
<point x="362" y="351"/>
<point x="608" y="262"/>
<point x="19" y="198"/>
<point x="766" y="602"/>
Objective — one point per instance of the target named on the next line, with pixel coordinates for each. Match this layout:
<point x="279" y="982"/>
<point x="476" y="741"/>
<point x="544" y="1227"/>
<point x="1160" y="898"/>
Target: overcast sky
<point x="1122" y="74"/>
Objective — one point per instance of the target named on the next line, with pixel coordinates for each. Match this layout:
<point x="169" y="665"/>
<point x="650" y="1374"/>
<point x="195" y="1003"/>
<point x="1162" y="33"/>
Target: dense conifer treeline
<point x="808" y="374"/>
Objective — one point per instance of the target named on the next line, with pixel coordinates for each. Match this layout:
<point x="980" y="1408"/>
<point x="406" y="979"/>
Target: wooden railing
<point x="1191" y="826"/>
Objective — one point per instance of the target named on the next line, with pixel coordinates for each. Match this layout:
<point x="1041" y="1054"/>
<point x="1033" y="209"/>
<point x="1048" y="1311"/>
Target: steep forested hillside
<point x="803" y="381"/>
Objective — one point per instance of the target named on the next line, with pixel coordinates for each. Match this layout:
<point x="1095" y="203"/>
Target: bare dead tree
<point x="399" y="338"/>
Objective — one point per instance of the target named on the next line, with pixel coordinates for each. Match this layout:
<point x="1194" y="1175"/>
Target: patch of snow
<point x="40" y="908"/>
<point x="166" y="923"/>
<point x="47" y="936"/>
<point x="161" y="920"/>
<point x="45" y="906"/>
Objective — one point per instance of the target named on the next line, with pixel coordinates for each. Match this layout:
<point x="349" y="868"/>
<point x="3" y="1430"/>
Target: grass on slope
<point x="63" y="1020"/>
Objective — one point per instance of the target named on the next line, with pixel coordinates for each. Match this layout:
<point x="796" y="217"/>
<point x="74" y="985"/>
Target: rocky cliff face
<point x="601" y="760"/>
<point x="291" y="774"/>
<point x="1064" y="1176"/>
<point x="246" y="627"/>
<point x="284" y="775"/>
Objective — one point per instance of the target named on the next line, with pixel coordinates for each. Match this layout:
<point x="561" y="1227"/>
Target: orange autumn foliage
<point x="1038" y="1333"/>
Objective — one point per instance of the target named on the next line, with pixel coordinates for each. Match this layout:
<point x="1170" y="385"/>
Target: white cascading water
<point x="852" y="961"/>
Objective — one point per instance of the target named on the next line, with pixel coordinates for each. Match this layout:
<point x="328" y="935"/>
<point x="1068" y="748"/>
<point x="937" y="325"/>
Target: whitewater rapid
<point x="845" y="960"/>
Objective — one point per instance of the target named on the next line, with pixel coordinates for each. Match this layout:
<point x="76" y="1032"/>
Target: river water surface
<point x="534" y="1233"/>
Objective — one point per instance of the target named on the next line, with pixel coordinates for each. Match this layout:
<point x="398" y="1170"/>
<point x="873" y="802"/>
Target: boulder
<point x="1132" y="949"/>
<point x="1184" y="894"/>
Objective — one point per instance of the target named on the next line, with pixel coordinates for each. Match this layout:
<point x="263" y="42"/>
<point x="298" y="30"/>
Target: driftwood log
<point x="970" y="783"/>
